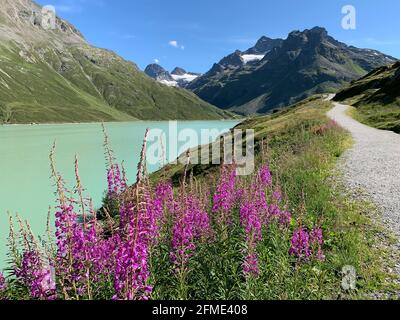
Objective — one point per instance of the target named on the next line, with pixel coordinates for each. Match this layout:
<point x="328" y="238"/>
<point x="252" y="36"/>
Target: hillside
<point x="57" y="76"/>
<point x="287" y="71"/>
<point x="376" y="97"/>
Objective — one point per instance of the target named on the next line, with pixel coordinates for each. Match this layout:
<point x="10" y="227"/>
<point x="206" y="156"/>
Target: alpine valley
<point x="57" y="76"/>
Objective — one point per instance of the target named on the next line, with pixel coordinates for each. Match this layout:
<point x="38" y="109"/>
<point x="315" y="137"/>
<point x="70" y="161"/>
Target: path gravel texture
<point x="373" y="165"/>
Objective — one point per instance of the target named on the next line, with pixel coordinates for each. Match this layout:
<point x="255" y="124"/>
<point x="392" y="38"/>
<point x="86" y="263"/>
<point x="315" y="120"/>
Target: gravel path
<point x="373" y="165"/>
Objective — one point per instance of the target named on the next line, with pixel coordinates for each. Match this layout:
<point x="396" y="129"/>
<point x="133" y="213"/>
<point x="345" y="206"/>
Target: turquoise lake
<point x="25" y="184"/>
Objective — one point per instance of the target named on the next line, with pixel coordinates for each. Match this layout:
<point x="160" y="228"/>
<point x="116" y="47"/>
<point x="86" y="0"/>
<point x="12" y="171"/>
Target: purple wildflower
<point x="250" y="265"/>
<point x="3" y="284"/>
<point x="116" y="184"/>
<point x="183" y="234"/>
<point x="277" y="195"/>
<point x="306" y="245"/>
<point x="265" y="176"/>
<point x="131" y="272"/>
<point x="300" y="244"/>
<point x="317" y="241"/>
<point x="37" y="278"/>
<point x="285" y="218"/>
<point x="132" y="252"/>
<point x="252" y="211"/>
<point x="164" y="192"/>
<point x="224" y="198"/>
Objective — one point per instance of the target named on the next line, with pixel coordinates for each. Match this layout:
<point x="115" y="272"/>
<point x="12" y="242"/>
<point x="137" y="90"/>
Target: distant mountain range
<point x="56" y="76"/>
<point x="276" y="72"/>
<point x="177" y="78"/>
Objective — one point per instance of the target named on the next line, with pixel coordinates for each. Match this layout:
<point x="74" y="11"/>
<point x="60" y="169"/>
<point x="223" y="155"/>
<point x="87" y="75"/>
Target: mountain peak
<point x="179" y="71"/>
<point x="264" y="45"/>
<point x="154" y="67"/>
<point x="232" y="60"/>
<point x="158" y="73"/>
<point x="316" y="31"/>
<point x="25" y="21"/>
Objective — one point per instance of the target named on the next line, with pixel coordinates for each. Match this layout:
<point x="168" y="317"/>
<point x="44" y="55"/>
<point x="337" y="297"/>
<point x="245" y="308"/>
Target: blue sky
<point x="194" y="34"/>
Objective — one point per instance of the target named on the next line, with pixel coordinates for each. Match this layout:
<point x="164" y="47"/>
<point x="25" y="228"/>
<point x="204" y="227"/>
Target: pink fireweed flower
<point x="3" y="284"/>
<point x="155" y="215"/>
<point x="251" y="220"/>
<point x="277" y="195"/>
<point x="116" y="184"/>
<point x="164" y="202"/>
<point x="306" y="245"/>
<point x="274" y="212"/>
<point x="192" y="223"/>
<point x="250" y="265"/>
<point x="131" y="272"/>
<point x="164" y="192"/>
<point x="37" y="278"/>
<point x="201" y="220"/>
<point x="285" y="218"/>
<point x="265" y="176"/>
<point x="79" y="260"/>
<point x="44" y="287"/>
<point x="224" y="199"/>
<point x="300" y="244"/>
<point x="317" y="241"/>
<point x="132" y="253"/>
<point x="183" y="234"/>
<point x="253" y="210"/>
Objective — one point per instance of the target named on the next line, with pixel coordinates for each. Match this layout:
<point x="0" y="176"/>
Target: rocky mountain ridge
<point x="305" y="63"/>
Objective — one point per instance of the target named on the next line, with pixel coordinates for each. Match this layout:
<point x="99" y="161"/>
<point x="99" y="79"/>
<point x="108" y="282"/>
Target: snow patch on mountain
<point x="252" y="57"/>
<point x="187" y="77"/>
<point x="168" y="83"/>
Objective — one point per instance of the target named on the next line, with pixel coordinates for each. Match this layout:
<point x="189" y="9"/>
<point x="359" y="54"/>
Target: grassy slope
<point x="305" y="163"/>
<point x="376" y="98"/>
<point x="35" y="93"/>
<point x="86" y="84"/>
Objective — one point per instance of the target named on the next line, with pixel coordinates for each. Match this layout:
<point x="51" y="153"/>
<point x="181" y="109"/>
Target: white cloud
<point x="156" y="60"/>
<point x="175" y="44"/>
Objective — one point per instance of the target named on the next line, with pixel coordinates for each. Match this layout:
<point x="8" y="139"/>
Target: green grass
<point x="85" y="84"/>
<point x="305" y="163"/>
<point x="385" y="117"/>
<point x="376" y="98"/>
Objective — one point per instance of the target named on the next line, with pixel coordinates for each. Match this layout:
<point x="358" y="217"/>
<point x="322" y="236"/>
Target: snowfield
<point x="185" y="77"/>
<point x="169" y="83"/>
<point x="252" y="57"/>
